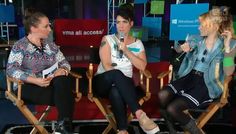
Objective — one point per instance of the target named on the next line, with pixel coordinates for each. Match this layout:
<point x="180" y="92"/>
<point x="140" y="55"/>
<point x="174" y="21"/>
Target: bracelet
<point x="227" y="50"/>
<point x="65" y="71"/>
<point x="228" y="61"/>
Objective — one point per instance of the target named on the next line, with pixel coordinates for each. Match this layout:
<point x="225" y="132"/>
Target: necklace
<point x="38" y="47"/>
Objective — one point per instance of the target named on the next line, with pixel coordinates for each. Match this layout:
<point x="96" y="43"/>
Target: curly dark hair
<point x="126" y="11"/>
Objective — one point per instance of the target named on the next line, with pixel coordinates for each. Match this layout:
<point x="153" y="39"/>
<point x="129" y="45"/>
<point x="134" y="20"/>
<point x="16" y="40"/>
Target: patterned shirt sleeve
<point x="63" y="63"/>
<point x="14" y="63"/>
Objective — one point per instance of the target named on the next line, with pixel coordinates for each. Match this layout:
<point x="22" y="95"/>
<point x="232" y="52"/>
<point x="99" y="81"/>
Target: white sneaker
<point x="148" y="125"/>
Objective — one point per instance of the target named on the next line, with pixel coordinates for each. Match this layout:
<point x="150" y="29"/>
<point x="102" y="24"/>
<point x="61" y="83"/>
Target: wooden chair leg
<point x="108" y="115"/>
<point x="108" y="129"/>
<point x="204" y="117"/>
<point x="112" y="123"/>
<point x="26" y="112"/>
<point x="130" y="117"/>
<point x="111" y="119"/>
<point x="32" y="119"/>
<point x="42" y="117"/>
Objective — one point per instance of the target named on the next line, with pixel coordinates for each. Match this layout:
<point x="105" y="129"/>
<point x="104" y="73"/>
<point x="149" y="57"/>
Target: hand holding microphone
<point x="185" y="47"/>
<point x="121" y="45"/>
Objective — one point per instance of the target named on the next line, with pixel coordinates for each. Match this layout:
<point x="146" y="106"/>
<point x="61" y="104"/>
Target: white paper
<point x="49" y="71"/>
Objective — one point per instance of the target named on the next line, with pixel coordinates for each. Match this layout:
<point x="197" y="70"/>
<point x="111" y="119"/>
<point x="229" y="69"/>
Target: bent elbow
<point x="229" y="72"/>
<point x="143" y="67"/>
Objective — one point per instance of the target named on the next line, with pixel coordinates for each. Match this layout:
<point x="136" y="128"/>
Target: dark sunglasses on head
<point x="204" y="54"/>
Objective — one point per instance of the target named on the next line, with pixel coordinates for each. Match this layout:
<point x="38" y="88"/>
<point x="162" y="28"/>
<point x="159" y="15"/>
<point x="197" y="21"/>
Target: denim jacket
<point x="214" y="76"/>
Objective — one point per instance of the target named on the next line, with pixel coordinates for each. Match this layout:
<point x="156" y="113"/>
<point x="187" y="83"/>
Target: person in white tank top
<point x="119" y="53"/>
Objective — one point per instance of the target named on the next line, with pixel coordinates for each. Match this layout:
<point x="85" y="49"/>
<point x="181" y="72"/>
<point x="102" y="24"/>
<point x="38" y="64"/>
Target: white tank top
<point x="122" y="63"/>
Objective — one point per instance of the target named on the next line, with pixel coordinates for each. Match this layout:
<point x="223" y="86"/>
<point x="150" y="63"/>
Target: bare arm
<point x="105" y="54"/>
<point x="230" y="51"/>
<point x="229" y="65"/>
<point x="139" y="61"/>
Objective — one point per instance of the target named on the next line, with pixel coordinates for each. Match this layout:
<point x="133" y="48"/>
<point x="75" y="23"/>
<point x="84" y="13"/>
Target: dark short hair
<point x="126" y="11"/>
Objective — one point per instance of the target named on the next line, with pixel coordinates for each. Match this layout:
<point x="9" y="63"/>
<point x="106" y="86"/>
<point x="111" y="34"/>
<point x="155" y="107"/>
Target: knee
<point x="163" y="97"/>
<point x="60" y="79"/>
<point x="172" y="110"/>
<point x="62" y="82"/>
<point x="114" y="94"/>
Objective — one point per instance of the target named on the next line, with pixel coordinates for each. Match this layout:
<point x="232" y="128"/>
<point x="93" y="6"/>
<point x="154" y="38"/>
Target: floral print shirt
<point x="26" y="59"/>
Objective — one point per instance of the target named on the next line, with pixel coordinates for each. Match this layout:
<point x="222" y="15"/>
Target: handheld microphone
<point x="178" y="58"/>
<point x="186" y="40"/>
<point x="121" y="35"/>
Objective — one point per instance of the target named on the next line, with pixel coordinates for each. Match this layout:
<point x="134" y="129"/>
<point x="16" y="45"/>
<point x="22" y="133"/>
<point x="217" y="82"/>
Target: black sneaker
<point x="61" y="128"/>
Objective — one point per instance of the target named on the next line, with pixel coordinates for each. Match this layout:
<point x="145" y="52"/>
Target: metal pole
<point x="22" y="7"/>
<point x="144" y="9"/>
<point x="1" y="29"/>
<point x="177" y="1"/>
<point x="108" y="13"/>
<point x="113" y="13"/>
<point x="8" y="42"/>
<point x="8" y="38"/>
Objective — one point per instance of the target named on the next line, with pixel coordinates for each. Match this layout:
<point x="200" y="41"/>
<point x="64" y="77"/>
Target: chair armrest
<point x="162" y="75"/>
<point x="14" y="80"/>
<point x="225" y="94"/>
<point x="76" y="75"/>
<point x="89" y="75"/>
<point x="77" y="92"/>
<point x="227" y="81"/>
<point x="146" y="73"/>
<point x="9" y="93"/>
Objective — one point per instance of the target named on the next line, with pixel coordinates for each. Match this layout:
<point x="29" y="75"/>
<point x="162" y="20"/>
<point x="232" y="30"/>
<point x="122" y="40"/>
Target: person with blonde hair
<point x="202" y="70"/>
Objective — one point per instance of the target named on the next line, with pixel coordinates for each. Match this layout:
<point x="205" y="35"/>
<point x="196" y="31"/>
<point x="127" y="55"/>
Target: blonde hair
<point x="225" y="18"/>
<point x="219" y="16"/>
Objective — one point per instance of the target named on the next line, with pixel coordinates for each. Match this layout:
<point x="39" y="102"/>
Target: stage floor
<point x="11" y="121"/>
<point x="98" y="127"/>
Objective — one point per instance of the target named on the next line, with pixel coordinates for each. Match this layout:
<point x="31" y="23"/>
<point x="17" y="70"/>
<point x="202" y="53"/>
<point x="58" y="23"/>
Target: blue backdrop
<point x="184" y="19"/>
<point x="7" y="13"/>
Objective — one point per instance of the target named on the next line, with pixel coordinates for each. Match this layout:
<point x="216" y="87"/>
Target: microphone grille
<point x="122" y="35"/>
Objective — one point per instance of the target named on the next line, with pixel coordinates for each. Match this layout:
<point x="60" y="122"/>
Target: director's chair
<point x="213" y="107"/>
<point x="38" y="124"/>
<point x="142" y="82"/>
<point x="208" y="111"/>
